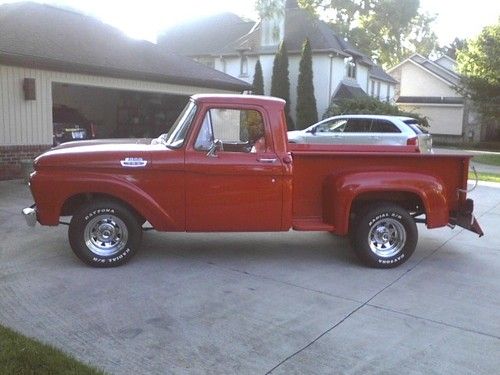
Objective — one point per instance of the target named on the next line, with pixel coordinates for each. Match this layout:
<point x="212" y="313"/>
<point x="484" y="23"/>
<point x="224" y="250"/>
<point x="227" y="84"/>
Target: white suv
<point x="366" y="130"/>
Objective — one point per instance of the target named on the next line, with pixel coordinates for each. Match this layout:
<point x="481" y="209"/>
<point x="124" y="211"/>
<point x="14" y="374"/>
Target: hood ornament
<point x="134" y="162"/>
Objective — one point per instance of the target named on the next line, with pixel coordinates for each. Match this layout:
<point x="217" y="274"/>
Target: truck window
<point x="238" y="130"/>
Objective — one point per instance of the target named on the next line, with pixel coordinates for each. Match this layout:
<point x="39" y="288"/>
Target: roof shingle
<point x="47" y="37"/>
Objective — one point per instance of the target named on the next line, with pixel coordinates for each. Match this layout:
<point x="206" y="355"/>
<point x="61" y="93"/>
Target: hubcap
<point x="105" y="235"/>
<point x="387" y="237"/>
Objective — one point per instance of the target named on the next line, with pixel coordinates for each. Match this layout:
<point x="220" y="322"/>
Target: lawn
<point x="22" y="355"/>
<point x="490" y="159"/>
<point x="492" y="177"/>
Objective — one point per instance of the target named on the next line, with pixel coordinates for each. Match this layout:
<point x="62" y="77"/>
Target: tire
<point x="384" y="236"/>
<point x="104" y="234"/>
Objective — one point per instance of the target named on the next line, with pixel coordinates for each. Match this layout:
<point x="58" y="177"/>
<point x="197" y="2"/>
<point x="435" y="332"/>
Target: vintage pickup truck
<point x="226" y="165"/>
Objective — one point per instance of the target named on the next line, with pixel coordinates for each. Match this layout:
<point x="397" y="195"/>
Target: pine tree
<point x="307" y="113"/>
<point x="258" y="80"/>
<point x="280" y="82"/>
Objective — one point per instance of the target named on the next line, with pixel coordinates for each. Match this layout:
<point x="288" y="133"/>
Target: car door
<point x="357" y="132"/>
<point x="237" y="186"/>
<point x="385" y="132"/>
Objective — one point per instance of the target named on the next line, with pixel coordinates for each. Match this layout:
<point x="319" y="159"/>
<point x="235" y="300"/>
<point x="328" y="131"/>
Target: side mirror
<point x="216" y="146"/>
<point x="313" y="130"/>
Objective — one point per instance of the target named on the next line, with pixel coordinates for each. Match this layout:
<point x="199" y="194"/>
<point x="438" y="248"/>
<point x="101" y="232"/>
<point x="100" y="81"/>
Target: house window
<point x="372" y="92"/>
<point x="378" y="90"/>
<point x="388" y="96"/>
<point x="350" y="67"/>
<point x="244" y="66"/>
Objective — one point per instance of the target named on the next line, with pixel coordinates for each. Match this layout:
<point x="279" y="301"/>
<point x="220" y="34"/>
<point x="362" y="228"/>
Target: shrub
<point x="370" y="106"/>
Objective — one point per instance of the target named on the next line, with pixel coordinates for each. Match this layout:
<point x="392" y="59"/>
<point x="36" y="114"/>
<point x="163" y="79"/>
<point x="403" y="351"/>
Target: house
<point x="430" y="88"/>
<point x="233" y="46"/>
<point x="54" y="58"/>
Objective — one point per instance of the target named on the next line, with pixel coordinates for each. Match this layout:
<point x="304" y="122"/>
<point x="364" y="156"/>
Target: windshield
<point x="177" y="133"/>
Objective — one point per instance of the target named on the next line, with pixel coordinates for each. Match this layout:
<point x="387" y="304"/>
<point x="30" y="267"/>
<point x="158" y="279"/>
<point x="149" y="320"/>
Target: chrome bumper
<point x="29" y="214"/>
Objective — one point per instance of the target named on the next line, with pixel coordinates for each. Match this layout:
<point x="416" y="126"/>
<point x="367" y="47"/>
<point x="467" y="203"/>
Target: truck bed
<point x="319" y="173"/>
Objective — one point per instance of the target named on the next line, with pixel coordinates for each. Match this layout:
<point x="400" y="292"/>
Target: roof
<point x="46" y="37"/>
<point x="377" y="72"/>
<point x="205" y="36"/>
<point x="431" y="99"/>
<point x="348" y="90"/>
<point x="299" y="25"/>
<point x="436" y="69"/>
<point x="227" y="34"/>
<point x="225" y="98"/>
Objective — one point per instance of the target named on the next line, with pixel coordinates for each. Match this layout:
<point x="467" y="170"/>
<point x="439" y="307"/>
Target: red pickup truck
<point x="226" y="165"/>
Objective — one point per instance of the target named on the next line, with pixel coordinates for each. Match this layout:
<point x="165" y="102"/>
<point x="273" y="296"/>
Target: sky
<point x="145" y="19"/>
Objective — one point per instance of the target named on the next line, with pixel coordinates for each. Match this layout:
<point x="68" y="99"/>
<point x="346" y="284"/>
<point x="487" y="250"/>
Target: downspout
<point x="330" y="79"/>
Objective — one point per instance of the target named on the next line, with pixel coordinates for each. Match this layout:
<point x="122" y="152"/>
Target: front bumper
<point x="29" y="214"/>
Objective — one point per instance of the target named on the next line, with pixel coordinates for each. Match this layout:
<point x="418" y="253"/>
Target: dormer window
<point x="350" y="67"/>
<point x="244" y="66"/>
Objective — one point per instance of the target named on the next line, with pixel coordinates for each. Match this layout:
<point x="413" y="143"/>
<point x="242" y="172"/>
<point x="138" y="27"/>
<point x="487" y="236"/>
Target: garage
<point x="94" y="112"/>
<point x="67" y="75"/>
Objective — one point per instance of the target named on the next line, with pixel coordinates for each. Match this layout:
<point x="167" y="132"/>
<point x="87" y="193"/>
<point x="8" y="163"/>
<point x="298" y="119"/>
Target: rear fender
<point x="342" y="190"/>
<point x="50" y="200"/>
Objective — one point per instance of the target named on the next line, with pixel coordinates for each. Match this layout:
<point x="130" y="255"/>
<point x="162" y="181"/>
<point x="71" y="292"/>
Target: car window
<point x="238" y="130"/>
<point x="334" y="126"/>
<point x="384" y="126"/>
<point x="358" y="125"/>
<point x="415" y="125"/>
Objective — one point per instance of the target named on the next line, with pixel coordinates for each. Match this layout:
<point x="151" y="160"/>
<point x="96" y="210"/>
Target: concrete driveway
<point x="292" y="303"/>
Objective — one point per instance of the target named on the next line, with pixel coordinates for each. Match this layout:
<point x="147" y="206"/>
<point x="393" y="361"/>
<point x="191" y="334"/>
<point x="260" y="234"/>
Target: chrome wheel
<point x="105" y="235"/>
<point x="387" y="237"/>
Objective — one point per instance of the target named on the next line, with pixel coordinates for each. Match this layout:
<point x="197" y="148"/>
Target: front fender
<point x="52" y="189"/>
<point x="342" y="190"/>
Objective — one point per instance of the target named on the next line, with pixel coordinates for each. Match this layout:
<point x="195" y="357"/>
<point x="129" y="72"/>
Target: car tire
<point x="104" y="233"/>
<point x="384" y="236"/>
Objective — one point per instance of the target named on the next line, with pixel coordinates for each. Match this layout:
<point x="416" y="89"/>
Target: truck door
<point x="234" y="179"/>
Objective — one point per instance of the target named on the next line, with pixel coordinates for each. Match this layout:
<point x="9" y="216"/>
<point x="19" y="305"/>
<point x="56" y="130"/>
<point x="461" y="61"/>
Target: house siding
<point x="415" y="81"/>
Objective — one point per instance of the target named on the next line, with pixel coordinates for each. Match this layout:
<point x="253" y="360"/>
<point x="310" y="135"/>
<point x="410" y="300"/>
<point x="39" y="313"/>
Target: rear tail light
<point x="412" y="142"/>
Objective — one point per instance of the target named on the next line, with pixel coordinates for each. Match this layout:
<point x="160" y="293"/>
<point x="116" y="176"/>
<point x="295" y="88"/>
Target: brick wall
<point x="11" y="156"/>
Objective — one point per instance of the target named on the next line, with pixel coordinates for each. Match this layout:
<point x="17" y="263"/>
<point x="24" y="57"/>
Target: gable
<point x="417" y="81"/>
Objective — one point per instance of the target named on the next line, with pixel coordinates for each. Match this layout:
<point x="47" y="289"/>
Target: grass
<point x="22" y="355"/>
<point x="491" y="177"/>
<point x="490" y="159"/>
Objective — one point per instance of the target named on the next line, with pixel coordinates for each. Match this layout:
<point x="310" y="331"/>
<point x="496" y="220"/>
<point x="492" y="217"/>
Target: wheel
<point x="384" y="236"/>
<point x="104" y="234"/>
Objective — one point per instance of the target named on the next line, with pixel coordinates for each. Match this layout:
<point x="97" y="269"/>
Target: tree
<point x="479" y="64"/>
<point x="451" y="50"/>
<point x="258" y="80"/>
<point x="280" y="82"/>
<point x="386" y="30"/>
<point x="307" y="113"/>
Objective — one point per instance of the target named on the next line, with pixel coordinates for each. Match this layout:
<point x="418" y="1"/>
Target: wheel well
<point x="409" y="201"/>
<point x="72" y="204"/>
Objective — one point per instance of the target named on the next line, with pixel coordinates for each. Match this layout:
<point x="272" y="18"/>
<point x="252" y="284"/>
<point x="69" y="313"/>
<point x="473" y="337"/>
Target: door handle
<point x="264" y="160"/>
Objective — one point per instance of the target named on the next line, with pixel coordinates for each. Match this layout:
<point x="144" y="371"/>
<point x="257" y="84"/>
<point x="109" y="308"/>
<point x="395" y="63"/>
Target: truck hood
<point x="97" y="154"/>
<point x="92" y="142"/>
